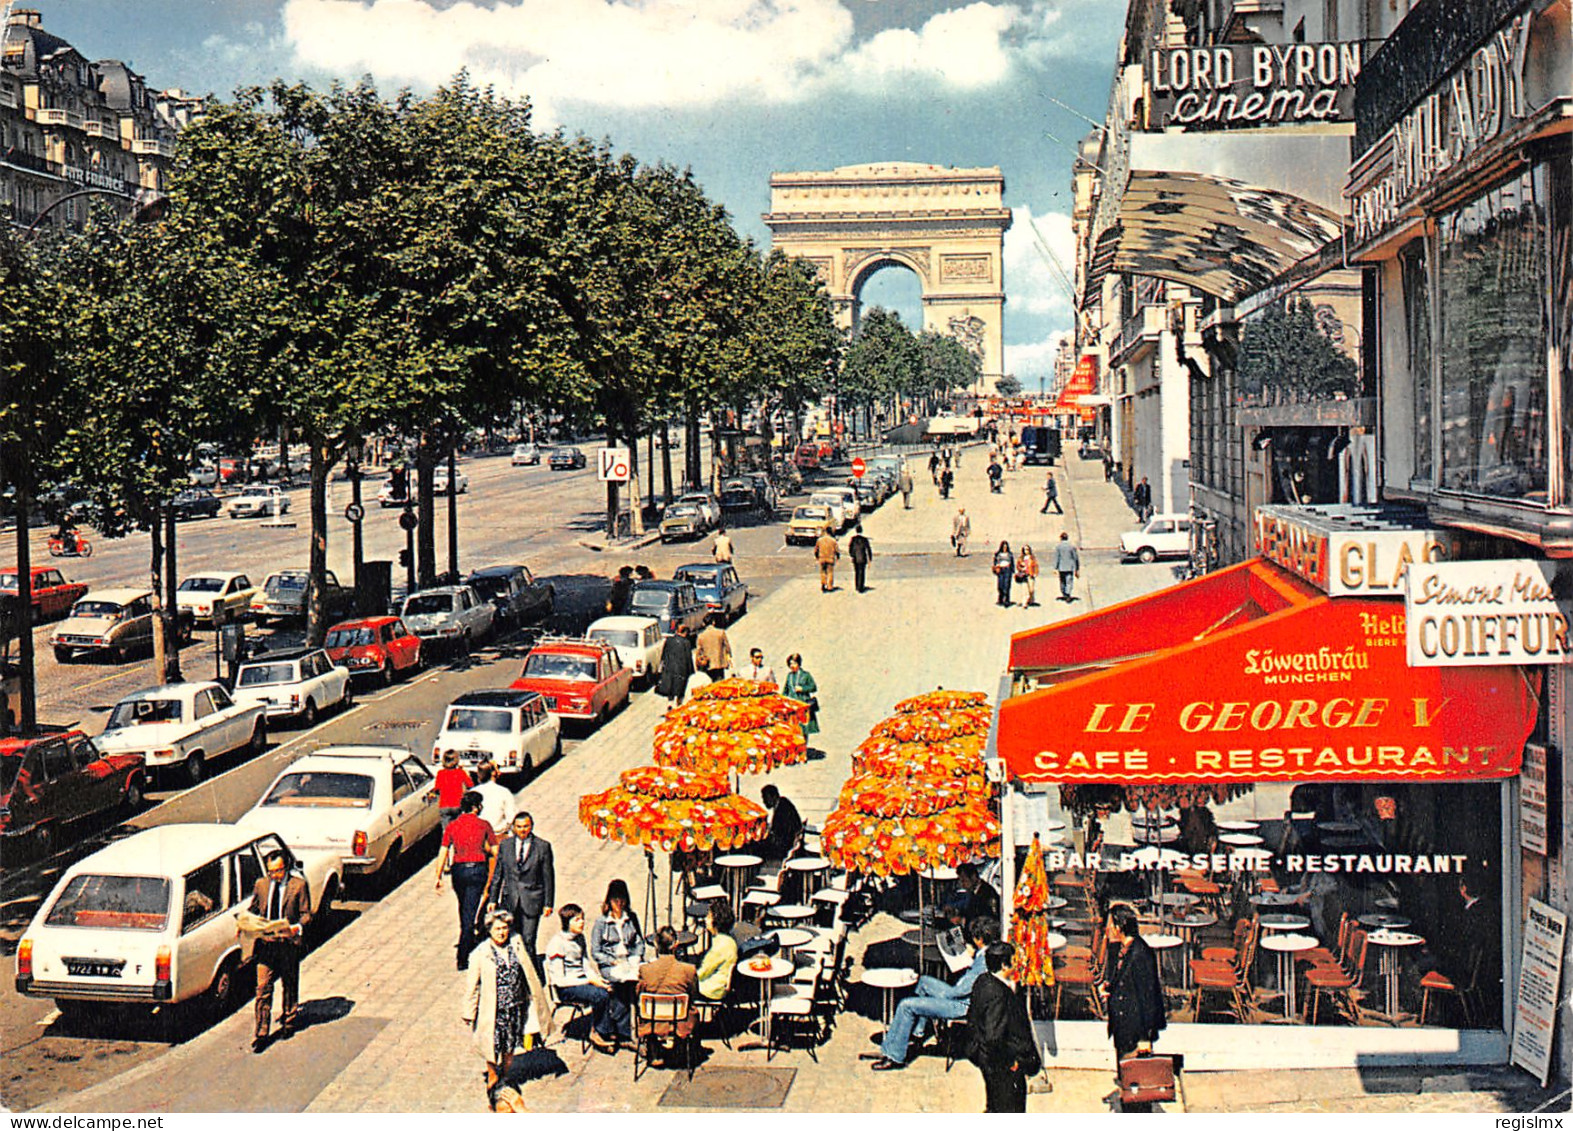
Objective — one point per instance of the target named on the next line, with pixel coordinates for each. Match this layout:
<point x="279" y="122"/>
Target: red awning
<point x="1249" y="675"/>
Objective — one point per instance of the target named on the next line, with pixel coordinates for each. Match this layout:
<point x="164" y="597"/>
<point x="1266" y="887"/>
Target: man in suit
<point x="525" y="881"/>
<point x="786" y="826"/>
<point x="1002" y="1042"/>
<point x="713" y="649"/>
<point x="279" y="896"/>
<point x="666" y="975"/>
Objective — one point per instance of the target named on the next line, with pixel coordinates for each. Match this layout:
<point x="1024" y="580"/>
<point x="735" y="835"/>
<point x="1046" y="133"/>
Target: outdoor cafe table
<point x="791" y="938"/>
<point x="1284" y="946"/>
<point x="791" y="912"/>
<point x="1391" y="943"/>
<point x="766" y="971"/>
<point x="737" y="866"/>
<point x="888" y="979"/>
<point x="809" y="868"/>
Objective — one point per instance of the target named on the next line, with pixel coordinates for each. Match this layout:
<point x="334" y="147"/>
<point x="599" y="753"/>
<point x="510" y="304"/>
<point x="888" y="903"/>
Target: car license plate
<point x="94" y="967"/>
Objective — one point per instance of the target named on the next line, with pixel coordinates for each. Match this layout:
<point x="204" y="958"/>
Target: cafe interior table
<point x="1282" y="922"/>
<point x="1240" y="840"/>
<point x="737" y="866"/>
<point x="1285" y="946"/>
<point x="1391" y="942"/>
<point x="1274" y="899"/>
<point x="1239" y="826"/>
<point x="766" y="971"/>
<point x="1180" y="899"/>
<point x="1188" y="923"/>
<point x="1381" y="920"/>
<point x="888" y="979"/>
<point x="1162" y="944"/>
<point x="1339" y="828"/>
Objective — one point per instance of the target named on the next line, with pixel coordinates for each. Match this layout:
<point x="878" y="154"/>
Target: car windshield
<point x="259" y="674"/>
<point x="737" y="485"/>
<point x="686" y="510"/>
<point x="256" y="491"/>
<point x="490" y="586"/>
<point x="127" y="903"/>
<point x="282" y="581"/>
<point x="141" y="712"/>
<point x="96" y="609"/>
<point x="699" y="575"/>
<point x="202" y="585"/>
<point x="617" y="637"/>
<point x="548" y="665"/>
<point x="426" y="604"/>
<point x="650" y="599"/>
<point x="490" y="720"/>
<point x="811" y="512"/>
<point x="349" y="638"/>
<point x="321" y="789"/>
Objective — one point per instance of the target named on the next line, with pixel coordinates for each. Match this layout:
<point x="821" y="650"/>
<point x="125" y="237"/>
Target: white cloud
<point x="1029" y="360"/>
<point x="667" y="53"/>
<point x="1035" y="297"/>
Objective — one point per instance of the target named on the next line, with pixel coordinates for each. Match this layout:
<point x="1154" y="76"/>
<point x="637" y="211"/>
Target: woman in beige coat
<point x="500" y="989"/>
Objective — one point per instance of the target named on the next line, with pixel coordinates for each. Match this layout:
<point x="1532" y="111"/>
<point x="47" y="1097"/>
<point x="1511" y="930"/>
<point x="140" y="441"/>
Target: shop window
<point x="1417" y="327"/>
<point x="1560" y="177"/>
<point x="1493" y="280"/>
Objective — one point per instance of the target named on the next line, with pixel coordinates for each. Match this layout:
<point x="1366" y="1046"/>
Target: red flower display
<point x="942" y="700"/>
<point x="672" y="809"/>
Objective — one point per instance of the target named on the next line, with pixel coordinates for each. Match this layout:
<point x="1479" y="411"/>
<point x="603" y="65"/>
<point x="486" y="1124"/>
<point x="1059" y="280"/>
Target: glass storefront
<point x="1417" y="329"/>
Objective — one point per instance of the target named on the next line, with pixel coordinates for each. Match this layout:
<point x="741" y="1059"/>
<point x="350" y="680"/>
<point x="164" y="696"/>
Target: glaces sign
<point x="1251" y="86"/>
<point x="1347" y="562"/>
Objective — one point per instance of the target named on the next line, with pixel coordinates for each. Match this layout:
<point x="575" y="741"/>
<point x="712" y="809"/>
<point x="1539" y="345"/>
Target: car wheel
<point x="259" y="737"/>
<point x="131" y="803"/>
<point x="308" y="714"/>
<point x="62" y="655"/>
<point x="323" y="919"/>
<point x="464" y="646"/>
<point x="1147" y="554"/>
<point x="221" y="995"/>
<point x="116" y="656"/>
<point x="387" y="672"/>
<point x="195" y="769"/>
<point x="388" y="874"/>
<point x="557" y="749"/>
<point x="603" y="717"/>
<point x="348" y="699"/>
<point x="742" y="609"/>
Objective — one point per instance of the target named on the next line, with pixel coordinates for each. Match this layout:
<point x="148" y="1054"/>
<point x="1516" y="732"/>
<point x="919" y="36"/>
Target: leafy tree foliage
<point x="1285" y="348"/>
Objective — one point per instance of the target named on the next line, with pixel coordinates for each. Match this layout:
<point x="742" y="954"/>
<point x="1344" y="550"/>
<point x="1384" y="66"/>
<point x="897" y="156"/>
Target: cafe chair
<point x="951" y="1034"/>
<point x="713" y="1016"/>
<point x="1340" y="982"/>
<point x="1437" y="982"/>
<point x="577" y="1009"/>
<point x="656" y="1010"/>
<point x="792" y="1013"/>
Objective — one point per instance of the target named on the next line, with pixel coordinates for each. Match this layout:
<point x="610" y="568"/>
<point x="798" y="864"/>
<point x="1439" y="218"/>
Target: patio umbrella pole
<point x="651" y="905"/>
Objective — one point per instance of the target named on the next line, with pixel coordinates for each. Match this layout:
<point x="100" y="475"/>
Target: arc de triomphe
<point x="947" y="226"/>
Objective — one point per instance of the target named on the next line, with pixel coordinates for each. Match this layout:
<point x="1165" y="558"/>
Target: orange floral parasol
<point x="886" y="846"/>
<point x="739" y="713"/>
<point x="670" y="809"/>
<point x="892" y="758"/>
<point x="745" y="752"/>
<point x="934" y="726"/>
<point x="734" y="688"/>
<point x="1029" y="925"/>
<point x="942" y="700"/>
<point x="881" y="796"/>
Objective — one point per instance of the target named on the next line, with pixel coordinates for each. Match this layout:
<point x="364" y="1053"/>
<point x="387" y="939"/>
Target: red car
<point x="578" y="678"/>
<point x="806" y="457"/>
<point x="46" y="783"/>
<point x="378" y="646"/>
<point x="53" y="595"/>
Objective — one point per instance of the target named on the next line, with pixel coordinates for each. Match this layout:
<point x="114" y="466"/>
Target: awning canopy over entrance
<point x="1250" y="675"/>
<point x="1223" y="237"/>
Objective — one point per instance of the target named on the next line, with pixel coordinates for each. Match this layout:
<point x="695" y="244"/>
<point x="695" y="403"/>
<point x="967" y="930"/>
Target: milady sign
<point x="1470" y="614"/>
<point x="1250" y="86"/>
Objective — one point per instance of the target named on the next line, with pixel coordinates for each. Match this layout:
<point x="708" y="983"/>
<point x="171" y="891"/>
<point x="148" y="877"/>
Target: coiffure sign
<point x="1477" y="102"/>
<point x="1353" y="558"/>
<point x="1251" y="86"/>
<point x="1467" y="614"/>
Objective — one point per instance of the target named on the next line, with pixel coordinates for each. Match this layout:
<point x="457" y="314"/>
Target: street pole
<point x="453" y="514"/>
<point x="357" y="544"/>
<point x="24" y="613"/>
<point x="171" y="674"/>
<point x="408" y="521"/>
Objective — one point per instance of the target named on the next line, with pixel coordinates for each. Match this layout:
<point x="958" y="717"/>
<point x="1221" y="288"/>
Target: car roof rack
<point x="584" y="641"/>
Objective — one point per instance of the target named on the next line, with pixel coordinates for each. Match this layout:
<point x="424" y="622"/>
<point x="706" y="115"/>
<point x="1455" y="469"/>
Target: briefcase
<point x="1146" y="1079"/>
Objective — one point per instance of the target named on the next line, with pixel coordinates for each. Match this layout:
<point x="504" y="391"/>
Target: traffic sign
<point x="354" y="512"/>
<point x="613" y="465"/>
<point x="408" y="521"/>
<point x="859" y="467"/>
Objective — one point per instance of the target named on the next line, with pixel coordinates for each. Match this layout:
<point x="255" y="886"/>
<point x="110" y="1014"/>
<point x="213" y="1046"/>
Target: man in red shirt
<point x="452" y="781"/>
<point x="471" y="845"/>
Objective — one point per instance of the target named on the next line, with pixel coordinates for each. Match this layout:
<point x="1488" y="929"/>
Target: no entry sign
<point x="859" y="467"/>
<point x="612" y="465"/>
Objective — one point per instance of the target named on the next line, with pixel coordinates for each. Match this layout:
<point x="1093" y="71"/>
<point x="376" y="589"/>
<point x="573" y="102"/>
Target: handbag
<point x="1146" y="1079"/>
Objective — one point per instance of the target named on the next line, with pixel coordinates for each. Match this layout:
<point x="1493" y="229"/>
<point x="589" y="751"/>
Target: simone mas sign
<point x="1478" y="613"/>
<point x="1251" y="86"/>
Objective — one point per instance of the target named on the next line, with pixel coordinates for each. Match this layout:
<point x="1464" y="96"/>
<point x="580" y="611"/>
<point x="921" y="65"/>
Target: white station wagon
<point x="152" y="918"/>
<point x="295" y="685"/>
<point x="511" y="728"/>
<point x="183" y="726"/>
<point x="1164" y="536"/>
<point x="637" y="642"/>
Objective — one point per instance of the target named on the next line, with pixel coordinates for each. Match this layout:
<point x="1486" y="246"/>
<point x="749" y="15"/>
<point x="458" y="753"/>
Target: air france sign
<point x="1251" y="86"/>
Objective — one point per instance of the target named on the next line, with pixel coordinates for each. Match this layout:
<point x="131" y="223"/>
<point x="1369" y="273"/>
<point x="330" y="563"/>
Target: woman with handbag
<point x="1027" y="574"/>
<point x="1004" y="574"/>
<point x="800" y="685"/>
<point x="1136" y="1005"/>
<point x="500" y="992"/>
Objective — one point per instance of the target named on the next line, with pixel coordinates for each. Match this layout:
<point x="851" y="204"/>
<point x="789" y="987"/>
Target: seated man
<point x="786" y="826"/>
<point x="577" y="979"/>
<point x="972" y="897"/>
<point x="666" y="975"/>
<point x="934" y="998"/>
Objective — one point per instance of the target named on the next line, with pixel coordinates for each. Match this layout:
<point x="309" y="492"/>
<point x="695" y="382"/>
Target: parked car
<point x="152" y="918"/>
<point x="180" y="727"/>
<point x="112" y="622"/>
<point x="1039" y="444"/>
<point x="1164" y="536"/>
<point x="294" y="685"/>
<point x="849" y="502"/>
<point x="204" y="475"/>
<point x="683" y="520"/>
<point x="765" y="495"/>
<point x="439" y="482"/>
<point x="514" y="592"/>
<point x="706" y="502"/>
<point x="213" y="597"/>
<point x="578" y="678"/>
<point x="526" y="455"/>
<point x="869" y="490"/>
<point x="49" y="782"/>
<point x="450" y="615"/>
<point x="718" y="586"/>
<point x="738" y="495"/>
<point x="808" y="522"/>
<point x="511" y="728"/>
<point x="195" y="502"/>
<point x="365" y="806"/>
<point x="840" y="518"/>
<point x="565" y="459"/>
<point x="669" y="602"/>
<point x="381" y="647"/>
<point x="53" y="595"/>
<point x="259" y="499"/>
<point x="283" y="597"/>
<point x="637" y="640"/>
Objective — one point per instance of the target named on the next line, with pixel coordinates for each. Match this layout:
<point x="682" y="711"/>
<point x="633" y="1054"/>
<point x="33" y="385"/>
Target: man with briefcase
<point x="1136" y="1014"/>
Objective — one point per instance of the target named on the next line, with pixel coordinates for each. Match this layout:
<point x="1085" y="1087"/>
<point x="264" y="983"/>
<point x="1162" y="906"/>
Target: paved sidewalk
<point x="381" y="1000"/>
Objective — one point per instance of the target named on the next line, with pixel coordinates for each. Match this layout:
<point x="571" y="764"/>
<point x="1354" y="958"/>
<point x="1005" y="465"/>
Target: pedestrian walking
<point x="712" y="649"/>
<point x="1027" y="574"/>
<point x="1142" y="496"/>
<point x="1001" y="1041"/>
<point x="758" y="670"/>
<point x="1051" y="495"/>
<point x="996" y="475"/>
<point x="282" y="899"/>
<point x="524" y="881"/>
<point x="958" y="459"/>
<point x="960" y="531"/>
<point x="1108" y="467"/>
<point x="452" y="782"/>
<point x="1004" y="574"/>
<point x="497" y="801"/>
<point x="470" y="847"/>
<point x="499" y="992"/>
<point x="722" y="550"/>
<point x="800" y="685"/>
<point x="1135" y="993"/>
<point x="622" y="587"/>
<point x="1067" y="563"/>
<point x="904" y="485"/>
<point x="934" y="466"/>
<point x="947" y="480"/>
<point x="677" y="664"/>
<point x="826" y="551"/>
<point x="861" y="553"/>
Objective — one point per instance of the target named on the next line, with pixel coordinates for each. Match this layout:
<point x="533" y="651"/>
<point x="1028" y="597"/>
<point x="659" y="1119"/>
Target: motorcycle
<point x="71" y="546"/>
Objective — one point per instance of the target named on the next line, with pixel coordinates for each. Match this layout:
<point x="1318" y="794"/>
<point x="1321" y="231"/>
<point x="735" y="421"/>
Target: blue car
<point x="718" y="587"/>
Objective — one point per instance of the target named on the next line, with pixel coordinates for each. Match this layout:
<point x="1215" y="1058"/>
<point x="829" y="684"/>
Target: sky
<point x="733" y="89"/>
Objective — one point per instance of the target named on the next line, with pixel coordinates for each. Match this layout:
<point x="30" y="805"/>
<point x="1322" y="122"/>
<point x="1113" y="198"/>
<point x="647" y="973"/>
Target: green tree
<point x="1008" y="385"/>
<point x="1284" y="348"/>
<point x="947" y="366"/>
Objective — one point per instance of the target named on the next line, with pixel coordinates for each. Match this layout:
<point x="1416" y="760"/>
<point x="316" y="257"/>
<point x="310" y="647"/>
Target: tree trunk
<point x="611" y="485"/>
<point x="155" y="569"/>
<point x="691" y="451"/>
<point x="27" y="721"/>
<point x="425" y="533"/>
<point x="316" y="623"/>
<point x="666" y="462"/>
<point x="635" y="502"/>
<point x="171" y="620"/>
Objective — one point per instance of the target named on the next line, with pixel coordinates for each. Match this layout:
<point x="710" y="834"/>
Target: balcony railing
<point x="153" y="147"/>
<point x="55" y="116"/>
<point x="1144" y="326"/>
<point x="97" y="127"/>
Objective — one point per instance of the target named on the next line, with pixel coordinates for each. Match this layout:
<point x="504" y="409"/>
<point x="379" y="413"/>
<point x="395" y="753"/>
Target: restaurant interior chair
<point x="1436" y="982"/>
<point x="1321" y="955"/>
<point x="1231" y="975"/>
<point x="661" y="1009"/>
<point x="1340" y="982"/>
<point x="1082" y="976"/>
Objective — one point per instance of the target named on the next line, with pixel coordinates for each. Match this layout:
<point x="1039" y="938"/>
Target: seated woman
<point x="576" y="979"/>
<point x="715" y="968"/>
<point x="617" y="944"/>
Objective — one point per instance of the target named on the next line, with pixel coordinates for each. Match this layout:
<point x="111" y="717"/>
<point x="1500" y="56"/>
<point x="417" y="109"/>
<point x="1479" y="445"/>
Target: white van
<point x="152" y="918"/>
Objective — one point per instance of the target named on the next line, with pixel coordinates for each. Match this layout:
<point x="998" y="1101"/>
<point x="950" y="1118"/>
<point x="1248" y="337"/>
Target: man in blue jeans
<point x="934" y="999"/>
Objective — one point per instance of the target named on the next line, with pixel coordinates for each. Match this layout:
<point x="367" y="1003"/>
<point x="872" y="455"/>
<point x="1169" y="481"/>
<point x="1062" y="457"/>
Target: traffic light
<point x="404" y="558"/>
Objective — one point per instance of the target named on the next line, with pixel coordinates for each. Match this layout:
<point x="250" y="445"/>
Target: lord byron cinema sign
<point x="1252" y="86"/>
